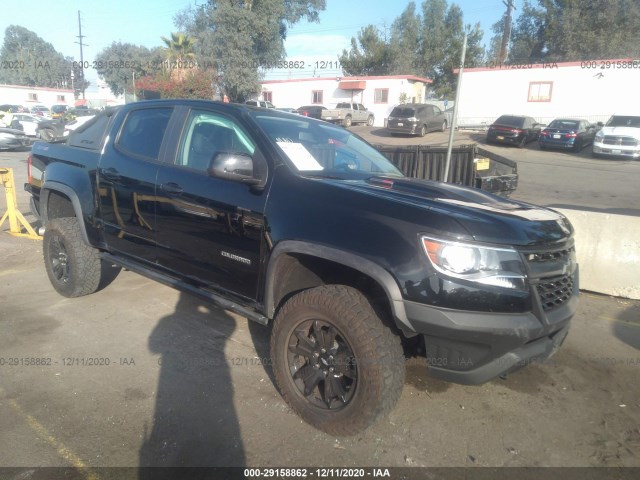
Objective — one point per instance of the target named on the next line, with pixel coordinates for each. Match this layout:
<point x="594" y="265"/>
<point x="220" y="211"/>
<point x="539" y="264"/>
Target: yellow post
<point x="16" y="219"/>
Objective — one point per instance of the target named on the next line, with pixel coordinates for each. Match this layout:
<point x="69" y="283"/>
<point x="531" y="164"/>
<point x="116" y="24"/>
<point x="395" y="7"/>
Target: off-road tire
<point x="346" y="123"/>
<point x="379" y="369"/>
<point x="74" y="268"/>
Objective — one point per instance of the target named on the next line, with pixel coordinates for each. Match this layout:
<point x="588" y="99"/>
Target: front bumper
<point x="474" y="347"/>
<point x="616" y="150"/>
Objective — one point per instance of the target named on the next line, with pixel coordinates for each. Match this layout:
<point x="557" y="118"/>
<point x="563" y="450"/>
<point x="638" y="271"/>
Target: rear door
<point x="127" y="178"/>
<point x="210" y="229"/>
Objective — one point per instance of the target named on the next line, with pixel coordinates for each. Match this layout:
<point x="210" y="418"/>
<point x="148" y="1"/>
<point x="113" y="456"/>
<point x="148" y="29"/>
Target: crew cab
<point x="620" y="137"/>
<point x="298" y="223"/>
<point x="348" y="114"/>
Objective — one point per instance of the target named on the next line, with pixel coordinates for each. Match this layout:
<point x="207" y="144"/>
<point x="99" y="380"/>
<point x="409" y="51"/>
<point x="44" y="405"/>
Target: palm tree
<point x="180" y="54"/>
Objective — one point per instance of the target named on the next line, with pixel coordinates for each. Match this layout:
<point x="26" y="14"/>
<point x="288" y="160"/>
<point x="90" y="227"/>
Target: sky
<point x="143" y="22"/>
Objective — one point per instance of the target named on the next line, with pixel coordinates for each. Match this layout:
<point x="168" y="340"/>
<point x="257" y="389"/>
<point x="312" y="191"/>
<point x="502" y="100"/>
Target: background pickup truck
<point x="347" y="114"/>
<point x="294" y="222"/>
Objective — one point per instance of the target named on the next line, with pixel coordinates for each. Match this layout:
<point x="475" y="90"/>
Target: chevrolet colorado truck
<point x="298" y="223"/>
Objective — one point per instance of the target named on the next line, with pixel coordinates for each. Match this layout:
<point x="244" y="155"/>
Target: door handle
<point x="172" y="188"/>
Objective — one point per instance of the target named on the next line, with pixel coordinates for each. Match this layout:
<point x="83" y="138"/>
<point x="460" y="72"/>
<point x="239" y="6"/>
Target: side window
<point x="143" y="131"/>
<point x="90" y="136"/>
<point x="527" y="123"/>
<point x="436" y="110"/>
<point x="428" y="110"/>
<point x="208" y="134"/>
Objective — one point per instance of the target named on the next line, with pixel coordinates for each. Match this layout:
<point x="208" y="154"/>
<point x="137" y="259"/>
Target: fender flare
<point x="356" y="262"/>
<point x="53" y="186"/>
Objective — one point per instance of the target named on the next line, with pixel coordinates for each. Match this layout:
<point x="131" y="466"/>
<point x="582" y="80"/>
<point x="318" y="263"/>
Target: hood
<point x="485" y="217"/>
<point x="622" y="131"/>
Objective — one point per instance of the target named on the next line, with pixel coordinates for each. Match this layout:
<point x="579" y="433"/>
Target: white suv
<point x="619" y="137"/>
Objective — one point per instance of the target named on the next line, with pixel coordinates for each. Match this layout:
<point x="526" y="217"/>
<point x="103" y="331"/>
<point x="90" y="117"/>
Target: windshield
<point x="322" y="149"/>
<point x="624" y="121"/>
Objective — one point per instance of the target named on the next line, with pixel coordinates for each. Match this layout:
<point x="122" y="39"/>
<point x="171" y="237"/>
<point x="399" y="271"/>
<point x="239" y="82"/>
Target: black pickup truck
<point x="296" y="222"/>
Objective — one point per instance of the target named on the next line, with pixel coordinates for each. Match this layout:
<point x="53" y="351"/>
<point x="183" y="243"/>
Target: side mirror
<point x="237" y="167"/>
<point x="600" y="124"/>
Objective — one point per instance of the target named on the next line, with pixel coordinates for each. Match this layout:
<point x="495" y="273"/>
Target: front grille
<point x="555" y="291"/>
<point x="557" y="256"/>
<point x="620" y="141"/>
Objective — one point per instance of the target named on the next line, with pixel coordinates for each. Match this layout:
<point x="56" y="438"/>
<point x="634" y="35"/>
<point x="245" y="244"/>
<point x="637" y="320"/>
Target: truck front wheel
<point x="74" y="268"/>
<point x="335" y="362"/>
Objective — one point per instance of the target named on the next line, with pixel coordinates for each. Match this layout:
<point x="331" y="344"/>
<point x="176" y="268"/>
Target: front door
<point x="210" y="229"/>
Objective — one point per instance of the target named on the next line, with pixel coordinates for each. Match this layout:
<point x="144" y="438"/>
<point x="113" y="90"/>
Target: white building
<point x="31" y="96"/>
<point x="378" y="93"/>
<point x="593" y="90"/>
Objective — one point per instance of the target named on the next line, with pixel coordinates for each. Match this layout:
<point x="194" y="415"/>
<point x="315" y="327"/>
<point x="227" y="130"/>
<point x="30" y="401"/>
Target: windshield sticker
<point x="300" y="156"/>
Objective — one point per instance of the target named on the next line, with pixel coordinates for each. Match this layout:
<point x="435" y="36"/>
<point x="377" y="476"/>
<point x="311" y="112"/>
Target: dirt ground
<point x="186" y="384"/>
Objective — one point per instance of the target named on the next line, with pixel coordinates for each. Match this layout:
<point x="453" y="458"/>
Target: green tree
<point x="237" y="37"/>
<point x="180" y="54"/>
<point x="36" y="62"/>
<point x="370" y="54"/>
<point x="118" y="63"/>
<point x="405" y="41"/>
<point x="441" y="44"/>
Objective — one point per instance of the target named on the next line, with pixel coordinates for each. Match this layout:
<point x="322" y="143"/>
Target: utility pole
<point x="506" y="33"/>
<point x="454" y="120"/>
<point x="80" y="37"/>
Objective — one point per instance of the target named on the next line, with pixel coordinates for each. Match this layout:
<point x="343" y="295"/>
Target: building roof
<point x="354" y="79"/>
<point x="590" y="64"/>
<point x="47" y="89"/>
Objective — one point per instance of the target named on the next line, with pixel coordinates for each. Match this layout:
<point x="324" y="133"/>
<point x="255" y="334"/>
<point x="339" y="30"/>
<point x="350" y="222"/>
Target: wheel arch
<point x="297" y="265"/>
<point x="59" y="200"/>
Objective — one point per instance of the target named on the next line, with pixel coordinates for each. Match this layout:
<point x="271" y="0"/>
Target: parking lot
<point x="140" y="374"/>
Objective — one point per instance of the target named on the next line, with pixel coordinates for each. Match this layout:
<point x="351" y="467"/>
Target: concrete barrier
<point x="608" y="252"/>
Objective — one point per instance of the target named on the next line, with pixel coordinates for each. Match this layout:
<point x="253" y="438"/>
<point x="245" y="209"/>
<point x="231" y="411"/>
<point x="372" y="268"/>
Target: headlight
<point x="500" y="267"/>
<point x="599" y="136"/>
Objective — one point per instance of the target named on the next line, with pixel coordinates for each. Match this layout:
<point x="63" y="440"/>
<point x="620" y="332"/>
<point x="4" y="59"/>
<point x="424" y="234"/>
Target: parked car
<point x="58" y="111"/>
<point x="620" y="136"/>
<point x="296" y="223"/>
<point x="12" y="139"/>
<point x="29" y="123"/>
<point x="514" y="129"/>
<point x="567" y="133"/>
<point x="312" y="111"/>
<point x="41" y="110"/>
<point x="416" y="119"/>
<point x="260" y="103"/>
<point x="347" y="114"/>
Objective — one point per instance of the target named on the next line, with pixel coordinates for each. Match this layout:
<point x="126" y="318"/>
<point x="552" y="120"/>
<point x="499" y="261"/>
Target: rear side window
<point x="143" y="131"/>
<point x="90" y="135"/>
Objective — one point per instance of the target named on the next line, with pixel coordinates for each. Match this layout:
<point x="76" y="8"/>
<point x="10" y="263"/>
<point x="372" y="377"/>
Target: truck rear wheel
<point x="74" y="268"/>
<point x="347" y="121"/>
<point x="336" y="364"/>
